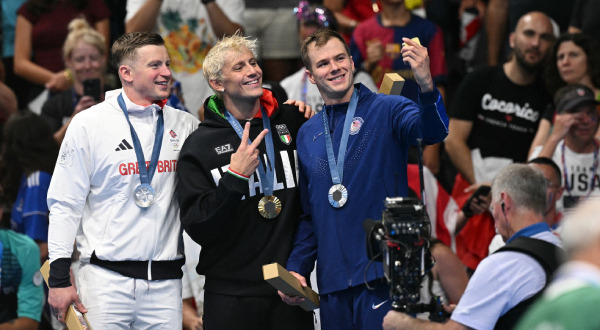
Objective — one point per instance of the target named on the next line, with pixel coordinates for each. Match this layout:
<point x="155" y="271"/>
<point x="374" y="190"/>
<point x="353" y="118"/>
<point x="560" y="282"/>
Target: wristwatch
<point x="206" y="2"/>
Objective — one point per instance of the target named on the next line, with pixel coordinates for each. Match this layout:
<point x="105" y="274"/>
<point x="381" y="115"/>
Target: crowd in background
<point x="515" y="89"/>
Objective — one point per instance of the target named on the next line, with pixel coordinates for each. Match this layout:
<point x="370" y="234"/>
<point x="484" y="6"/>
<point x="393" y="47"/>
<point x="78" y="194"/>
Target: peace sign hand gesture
<point x="245" y="158"/>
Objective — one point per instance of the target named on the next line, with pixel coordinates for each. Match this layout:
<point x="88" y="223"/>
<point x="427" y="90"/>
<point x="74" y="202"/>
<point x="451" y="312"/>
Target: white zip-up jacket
<point x="90" y="195"/>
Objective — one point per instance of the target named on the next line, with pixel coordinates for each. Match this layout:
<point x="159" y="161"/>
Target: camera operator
<point x="505" y="282"/>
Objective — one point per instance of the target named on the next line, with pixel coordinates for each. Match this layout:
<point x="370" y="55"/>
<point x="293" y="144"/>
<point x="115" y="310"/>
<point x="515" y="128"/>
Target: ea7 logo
<point x="224" y="149"/>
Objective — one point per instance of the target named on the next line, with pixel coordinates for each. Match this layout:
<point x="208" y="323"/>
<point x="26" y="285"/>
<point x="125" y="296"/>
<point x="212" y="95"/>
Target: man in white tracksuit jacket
<point x="130" y="243"/>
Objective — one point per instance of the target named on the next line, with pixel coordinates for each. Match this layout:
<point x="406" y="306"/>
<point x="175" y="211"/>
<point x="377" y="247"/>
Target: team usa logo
<point x="357" y="123"/>
<point x="284" y="134"/>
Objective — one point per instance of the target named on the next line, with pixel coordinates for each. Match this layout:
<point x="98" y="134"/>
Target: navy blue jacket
<point x="375" y="168"/>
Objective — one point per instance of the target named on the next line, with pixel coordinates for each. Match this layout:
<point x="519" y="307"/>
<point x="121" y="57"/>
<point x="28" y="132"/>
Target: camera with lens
<point x="401" y="241"/>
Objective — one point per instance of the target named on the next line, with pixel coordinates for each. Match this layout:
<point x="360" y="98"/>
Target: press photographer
<point x="506" y="282"/>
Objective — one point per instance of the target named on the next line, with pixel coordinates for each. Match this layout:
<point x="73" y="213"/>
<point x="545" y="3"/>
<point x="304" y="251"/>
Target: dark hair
<point x="125" y="47"/>
<point x="39" y="7"/>
<point x="590" y="47"/>
<point x="549" y="162"/>
<point x="320" y="38"/>
<point x="28" y="146"/>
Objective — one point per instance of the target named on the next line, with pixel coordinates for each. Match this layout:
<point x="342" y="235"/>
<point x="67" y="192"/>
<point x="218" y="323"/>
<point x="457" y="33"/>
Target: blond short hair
<point x="215" y="59"/>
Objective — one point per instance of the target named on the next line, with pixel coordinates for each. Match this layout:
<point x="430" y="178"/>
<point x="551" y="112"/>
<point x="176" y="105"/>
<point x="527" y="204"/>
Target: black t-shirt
<point x="505" y="116"/>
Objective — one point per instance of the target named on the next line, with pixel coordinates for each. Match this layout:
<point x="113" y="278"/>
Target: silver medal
<point x="144" y="195"/>
<point x="338" y="195"/>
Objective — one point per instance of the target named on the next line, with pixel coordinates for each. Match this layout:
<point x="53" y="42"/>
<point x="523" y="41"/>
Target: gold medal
<point x="269" y="207"/>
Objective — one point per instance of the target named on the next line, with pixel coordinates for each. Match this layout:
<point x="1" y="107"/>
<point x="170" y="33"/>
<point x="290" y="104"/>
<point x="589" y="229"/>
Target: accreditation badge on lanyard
<point x="269" y="206"/>
<point x="144" y="195"/>
<point x="338" y="194"/>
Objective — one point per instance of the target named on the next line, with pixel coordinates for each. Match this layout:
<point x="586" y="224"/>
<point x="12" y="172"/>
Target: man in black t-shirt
<point x="495" y="115"/>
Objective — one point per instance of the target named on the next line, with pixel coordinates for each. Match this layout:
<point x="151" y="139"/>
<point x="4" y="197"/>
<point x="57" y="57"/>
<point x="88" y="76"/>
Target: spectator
<point x="297" y="86"/>
<point x="575" y="60"/>
<point x="273" y="23"/>
<point x="28" y="157"/>
<point x="241" y="221"/>
<point x="572" y="144"/>
<point x="505" y="282"/>
<point x="505" y="14"/>
<point x="376" y="44"/>
<point x="570" y="300"/>
<point x="84" y="52"/>
<point x="22" y="295"/>
<point x="493" y="121"/>
<point x="190" y="29"/>
<point x="40" y="34"/>
<point x="125" y="223"/>
<point x="378" y="130"/>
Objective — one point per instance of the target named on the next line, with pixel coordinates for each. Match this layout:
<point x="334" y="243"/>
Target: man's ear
<point x="310" y="76"/>
<point x="126" y="73"/>
<point x="216" y="85"/>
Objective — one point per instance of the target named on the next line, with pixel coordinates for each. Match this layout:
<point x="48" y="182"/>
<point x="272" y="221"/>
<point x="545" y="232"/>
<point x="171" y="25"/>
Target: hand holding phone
<point x="483" y="190"/>
<point x="91" y="87"/>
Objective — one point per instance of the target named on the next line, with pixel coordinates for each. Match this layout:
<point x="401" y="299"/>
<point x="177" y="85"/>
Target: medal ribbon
<point x="267" y="173"/>
<point x="146" y="174"/>
<point x="566" y="175"/>
<point x="337" y="169"/>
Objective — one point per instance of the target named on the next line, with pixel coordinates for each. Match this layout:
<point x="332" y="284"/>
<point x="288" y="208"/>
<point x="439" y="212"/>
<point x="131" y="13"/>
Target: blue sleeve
<point x="304" y="253"/>
<point x="35" y="209"/>
<point x="426" y="120"/>
<point x="433" y="117"/>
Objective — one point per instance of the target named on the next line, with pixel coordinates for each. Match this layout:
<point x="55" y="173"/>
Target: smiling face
<point x="147" y="76"/>
<point x="571" y="61"/>
<point x="331" y="70"/>
<point x="241" y="77"/>
<point x="85" y="62"/>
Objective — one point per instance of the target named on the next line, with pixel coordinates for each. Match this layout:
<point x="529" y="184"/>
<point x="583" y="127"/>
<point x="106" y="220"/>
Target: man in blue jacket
<point x="347" y="171"/>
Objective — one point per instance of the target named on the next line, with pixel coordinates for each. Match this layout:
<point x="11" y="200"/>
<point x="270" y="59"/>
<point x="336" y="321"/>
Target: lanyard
<point x="146" y="174"/>
<point x="267" y="173"/>
<point x="530" y="231"/>
<point x="566" y="175"/>
<point x="337" y="168"/>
